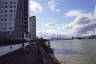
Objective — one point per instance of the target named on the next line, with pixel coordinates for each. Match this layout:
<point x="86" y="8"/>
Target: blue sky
<point x="64" y="18"/>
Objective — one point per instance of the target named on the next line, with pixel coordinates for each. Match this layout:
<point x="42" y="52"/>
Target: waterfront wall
<point x="48" y="58"/>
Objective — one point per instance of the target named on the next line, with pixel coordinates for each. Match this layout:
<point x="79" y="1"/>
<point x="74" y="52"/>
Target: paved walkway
<point x="31" y="55"/>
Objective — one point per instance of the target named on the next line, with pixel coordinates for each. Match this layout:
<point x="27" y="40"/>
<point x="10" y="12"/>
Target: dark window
<point x="11" y="2"/>
<point x="11" y="10"/>
<point x="14" y="2"/>
<point x="10" y="28"/>
<point x="25" y="22"/>
<point x="5" y="28"/>
<point x="5" y="2"/>
<point x="5" y="10"/>
<point x="11" y="6"/>
<point x="5" y="19"/>
<point x="5" y="6"/>
<point x="10" y="19"/>
<point x="2" y="6"/>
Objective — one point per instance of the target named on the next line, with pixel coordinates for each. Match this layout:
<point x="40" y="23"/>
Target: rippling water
<point x="75" y="51"/>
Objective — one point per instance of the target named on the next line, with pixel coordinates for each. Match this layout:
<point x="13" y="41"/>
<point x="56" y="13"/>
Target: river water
<point x="75" y="51"/>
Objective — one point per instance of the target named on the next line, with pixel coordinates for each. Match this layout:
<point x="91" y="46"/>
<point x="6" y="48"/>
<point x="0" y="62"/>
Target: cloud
<point x="95" y="9"/>
<point x="50" y="25"/>
<point x="73" y="13"/>
<point x="53" y="30"/>
<point x="83" y="24"/>
<point x="50" y="33"/>
<point x="46" y="33"/>
<point x="35" y="6"/>
<point x="52" y="5"/>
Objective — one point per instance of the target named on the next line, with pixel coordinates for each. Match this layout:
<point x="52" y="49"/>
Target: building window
<point x="5" y="19"/>
<point x="10" y="19"/>
<point x="5" y="6"/>
<point x="11" y="10"/>
<point x="11" y="2"/>
<point x="11" y="6"/>
<point x="25" y="22"/>
<point x="2" y="6"/>
<point x="14" y="2"/>
<point x="10" y="28"/>
<point x="5" y="2"/>
<point x="5" y="28"/>
<point x="5" y="10"/>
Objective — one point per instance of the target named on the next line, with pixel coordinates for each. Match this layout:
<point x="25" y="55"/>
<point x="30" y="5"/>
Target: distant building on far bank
<point x="32" y="27"/>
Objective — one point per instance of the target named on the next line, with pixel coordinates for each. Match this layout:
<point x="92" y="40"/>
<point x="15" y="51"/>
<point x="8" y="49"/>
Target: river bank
<point x="30" y="54"/>
<point x="48" y="58"/>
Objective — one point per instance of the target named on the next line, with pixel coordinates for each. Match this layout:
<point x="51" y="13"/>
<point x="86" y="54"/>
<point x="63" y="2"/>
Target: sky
<point x="64" y="18"/>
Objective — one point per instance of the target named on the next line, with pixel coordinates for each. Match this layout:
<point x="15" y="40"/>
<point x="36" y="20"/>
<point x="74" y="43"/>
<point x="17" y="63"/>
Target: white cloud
<point x="74" y="13"/>
<point x="82" y="24"/>
<point x="53" y="5"/>
<point x="50" y="25"/>
<point x="35" y="6"/>
<point x="95" y="9"/>
<point x="46" y="33"/>
<point x="53" y="30"/>
<point x="50" y="33"/>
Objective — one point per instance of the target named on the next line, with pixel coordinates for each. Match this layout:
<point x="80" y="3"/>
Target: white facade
<point x="32" y="26"/>
<point x="7" y="15"/>
<point x="13" y="19"/>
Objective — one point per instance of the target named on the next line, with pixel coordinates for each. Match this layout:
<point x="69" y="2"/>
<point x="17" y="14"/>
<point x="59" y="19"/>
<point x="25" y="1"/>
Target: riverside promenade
<point x="27" y="55"/>
<point x="30" y="54"/>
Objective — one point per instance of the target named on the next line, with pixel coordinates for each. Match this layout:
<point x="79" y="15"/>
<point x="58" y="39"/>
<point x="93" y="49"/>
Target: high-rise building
<point x="32" y="27"/>
<point x="13" y="19"/>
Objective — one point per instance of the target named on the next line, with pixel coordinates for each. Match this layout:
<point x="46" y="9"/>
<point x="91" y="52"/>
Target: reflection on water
<point x="62" y="51"/>
<point x="75" y="51"/>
